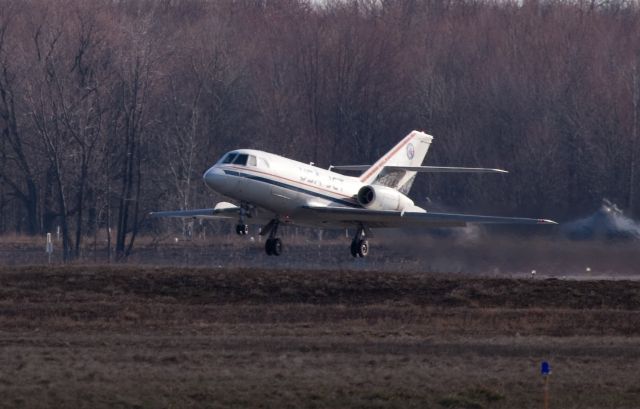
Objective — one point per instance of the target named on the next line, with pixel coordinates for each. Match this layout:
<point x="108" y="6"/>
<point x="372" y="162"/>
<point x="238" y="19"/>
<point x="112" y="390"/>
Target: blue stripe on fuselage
<point x="290" y="187"/>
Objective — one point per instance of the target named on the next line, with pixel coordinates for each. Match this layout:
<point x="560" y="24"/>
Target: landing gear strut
<point x="360" y="245"/>
<point x="273" y="246"/>
<point x="242" y="229"/>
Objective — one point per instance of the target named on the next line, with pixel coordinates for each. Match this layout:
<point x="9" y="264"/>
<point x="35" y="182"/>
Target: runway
<point x="101" y="336"/>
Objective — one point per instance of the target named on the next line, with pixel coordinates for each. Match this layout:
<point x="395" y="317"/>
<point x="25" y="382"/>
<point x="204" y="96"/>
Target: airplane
<point x="273" y="190"/>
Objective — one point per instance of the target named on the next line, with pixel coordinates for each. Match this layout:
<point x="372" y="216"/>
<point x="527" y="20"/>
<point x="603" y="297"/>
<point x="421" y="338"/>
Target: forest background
<point x="111" y="109"/>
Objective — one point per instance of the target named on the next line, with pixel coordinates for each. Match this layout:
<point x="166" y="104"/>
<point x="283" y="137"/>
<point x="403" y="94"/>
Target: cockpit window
<point x="241" y="159"/>
<point x="229" y="158"/>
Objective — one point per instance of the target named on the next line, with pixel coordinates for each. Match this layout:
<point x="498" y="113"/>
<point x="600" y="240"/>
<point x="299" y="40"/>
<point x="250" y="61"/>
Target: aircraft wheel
<point x="363" y="248"/>
<point x="354" y="248"/>
<point x="269" y="247"/>
<point x="276" y="247"/>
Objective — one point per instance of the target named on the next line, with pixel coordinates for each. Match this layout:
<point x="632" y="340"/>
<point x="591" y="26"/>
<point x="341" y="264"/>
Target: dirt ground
<point x="133" y="337"/>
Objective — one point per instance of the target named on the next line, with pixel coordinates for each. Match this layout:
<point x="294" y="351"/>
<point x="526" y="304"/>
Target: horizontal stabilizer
<point x="424" y="169"/>
<point x="445" y="169"/>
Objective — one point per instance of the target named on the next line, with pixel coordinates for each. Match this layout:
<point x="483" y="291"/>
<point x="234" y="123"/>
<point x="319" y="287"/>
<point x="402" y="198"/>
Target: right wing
<point x="390" y="218"/>
<point x="222" y="210"/>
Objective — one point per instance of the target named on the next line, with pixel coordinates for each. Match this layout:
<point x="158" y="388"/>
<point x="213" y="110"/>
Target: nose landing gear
<point x="242" y="229"/>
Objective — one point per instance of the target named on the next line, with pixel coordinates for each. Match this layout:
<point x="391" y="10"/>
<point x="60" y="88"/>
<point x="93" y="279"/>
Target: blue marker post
<point x="545" y="371"/>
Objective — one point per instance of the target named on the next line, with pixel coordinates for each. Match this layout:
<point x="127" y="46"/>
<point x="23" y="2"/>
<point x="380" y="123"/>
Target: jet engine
<point x="383" y="198"/>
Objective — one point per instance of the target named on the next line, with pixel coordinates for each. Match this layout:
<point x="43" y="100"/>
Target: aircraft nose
<point x="212" y="177"/>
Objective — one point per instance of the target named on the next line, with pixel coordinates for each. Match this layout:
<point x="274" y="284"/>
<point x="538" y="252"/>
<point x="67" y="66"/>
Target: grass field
<point x="486" y="253"/>
<point x="130" y="337"/>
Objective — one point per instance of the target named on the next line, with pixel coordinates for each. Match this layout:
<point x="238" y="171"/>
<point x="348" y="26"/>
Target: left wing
<point x="391" y="218"/>
<point x="222" y="210"/>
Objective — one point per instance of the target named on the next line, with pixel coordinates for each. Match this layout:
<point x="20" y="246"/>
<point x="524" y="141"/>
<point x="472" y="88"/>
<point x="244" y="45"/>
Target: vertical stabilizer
<point x="411" y="151"/>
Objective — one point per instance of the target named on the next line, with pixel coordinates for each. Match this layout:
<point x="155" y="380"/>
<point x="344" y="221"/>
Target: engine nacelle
<point x="383" y="198"/>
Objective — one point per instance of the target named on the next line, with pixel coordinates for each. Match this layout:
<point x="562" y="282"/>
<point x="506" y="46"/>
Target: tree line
<point x="111" y="109"/>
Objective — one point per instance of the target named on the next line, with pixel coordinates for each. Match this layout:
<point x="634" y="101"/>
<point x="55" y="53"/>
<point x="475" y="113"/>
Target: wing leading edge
<point x="388" y="218"/>
<point x="222" y="210"/>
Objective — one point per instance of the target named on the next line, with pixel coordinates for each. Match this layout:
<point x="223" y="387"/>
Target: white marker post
<point x="49" y="247"/>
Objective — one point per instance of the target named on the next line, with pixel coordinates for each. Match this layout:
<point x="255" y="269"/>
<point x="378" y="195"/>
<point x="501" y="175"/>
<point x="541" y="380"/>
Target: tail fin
<point x="409" y="152"/>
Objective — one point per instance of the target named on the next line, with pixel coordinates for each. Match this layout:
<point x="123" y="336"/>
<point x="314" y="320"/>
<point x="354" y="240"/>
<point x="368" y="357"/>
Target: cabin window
<point x="229" y="158"/>
<point x="251" y="161"/>
<point x="241" y="159"/>
<point x="263" y="163"/>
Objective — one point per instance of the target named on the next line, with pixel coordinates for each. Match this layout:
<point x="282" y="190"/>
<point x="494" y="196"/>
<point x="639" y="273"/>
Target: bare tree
<point x="15" y="149"/>
<point x="135" y="71"/>
<point x="108" y="110"/>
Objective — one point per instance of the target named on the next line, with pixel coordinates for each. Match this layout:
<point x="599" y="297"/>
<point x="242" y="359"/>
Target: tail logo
<point x="410" y="151"/>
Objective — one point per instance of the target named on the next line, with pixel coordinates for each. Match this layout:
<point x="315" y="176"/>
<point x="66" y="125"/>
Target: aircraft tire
<point x="354" y="248"/>
<point x="363" y="248"/>
<point x="276" y="247"/>
<point x="269" y="247"/>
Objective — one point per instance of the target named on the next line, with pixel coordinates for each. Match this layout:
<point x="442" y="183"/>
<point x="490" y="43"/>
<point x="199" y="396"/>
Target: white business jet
<point x="272" y="190"/>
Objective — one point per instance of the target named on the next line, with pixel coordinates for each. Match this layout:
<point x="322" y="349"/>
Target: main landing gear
<point x="273" y="246"/>
<point x="360" y="245"/>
